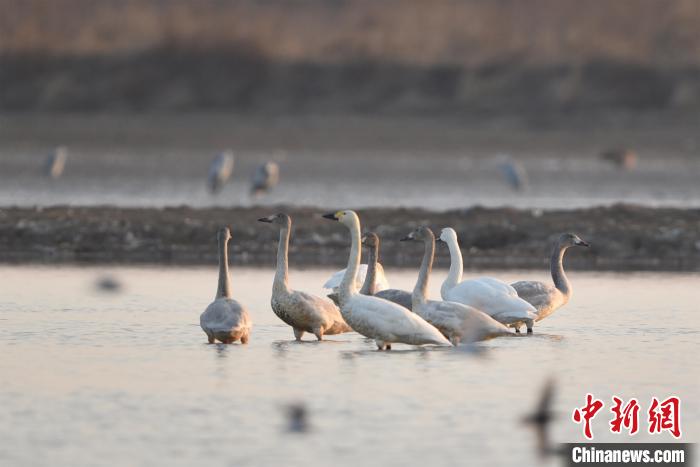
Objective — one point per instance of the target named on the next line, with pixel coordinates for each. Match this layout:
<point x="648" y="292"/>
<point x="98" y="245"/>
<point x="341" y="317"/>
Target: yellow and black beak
<point x="332" y="216"/>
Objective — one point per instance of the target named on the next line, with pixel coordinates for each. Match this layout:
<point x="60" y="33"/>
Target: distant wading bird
<point x="514" y="174"/>
<point x="220" y="171"/>
<point x="374" y="317"/>
<point x="225" y="319"/>
<point x="265" y="178"/>
<point x="56" y="162"/>
<point x="302" y="311"/>
<point x="492" y="296"/>
<point x="454" y="320"/>
<point x="546" y="298"/>
<point x="622" y="158"/>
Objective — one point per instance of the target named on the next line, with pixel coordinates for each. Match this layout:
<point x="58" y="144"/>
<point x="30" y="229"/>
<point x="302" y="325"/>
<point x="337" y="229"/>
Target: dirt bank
<point x="623" y="237"/>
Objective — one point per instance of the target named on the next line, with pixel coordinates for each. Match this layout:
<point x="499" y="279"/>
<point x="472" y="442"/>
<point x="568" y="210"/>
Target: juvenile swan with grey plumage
<point x="302" y="311"/>
<point x="374" y="317"/>
<point x="456" y="321"/>
<point x="369" y="287"/>
<point x="492" y="296"/>
<point x="546" y="298"/>
<point x="225" y="319"/>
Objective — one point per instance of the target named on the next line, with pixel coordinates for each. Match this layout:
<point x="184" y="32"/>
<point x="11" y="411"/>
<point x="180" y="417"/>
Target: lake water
<point x="92" y="378"/>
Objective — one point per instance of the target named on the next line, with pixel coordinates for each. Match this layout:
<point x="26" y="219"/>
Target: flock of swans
<point x="470" y="310"/>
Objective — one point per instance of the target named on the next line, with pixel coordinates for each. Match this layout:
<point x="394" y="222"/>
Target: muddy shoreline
<point x="623" y="237"/>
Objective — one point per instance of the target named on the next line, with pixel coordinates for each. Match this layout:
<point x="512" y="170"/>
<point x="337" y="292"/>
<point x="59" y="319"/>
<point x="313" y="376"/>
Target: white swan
<point x="492" y="296"/>
<point x="455" y="320"/>
<point x="303" y="312"/>
<point x="225" y="319"/>
<point x="546" y="298"/>
<point x="373" y="317"/>
<point x="369" y="287"/>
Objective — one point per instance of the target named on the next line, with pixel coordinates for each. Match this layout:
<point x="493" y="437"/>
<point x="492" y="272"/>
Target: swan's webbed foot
<point x="529" y="330"/>
<point x="319" y="334"/>
<point x="298" y="333"/>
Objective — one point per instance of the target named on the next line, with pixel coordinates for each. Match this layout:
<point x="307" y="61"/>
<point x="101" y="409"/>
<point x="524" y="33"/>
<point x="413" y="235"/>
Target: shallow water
<point x="92" y="378"/>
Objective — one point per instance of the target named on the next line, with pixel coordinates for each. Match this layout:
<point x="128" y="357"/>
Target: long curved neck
<point x="281" y="282"/>
<point x="369" y="287"/>
<point x="420" y="291"/>
<point x="456" y="265"/>
<point x="224" y="289"/>
<point x="556" y="265"/>
<point x="347" y="285"/>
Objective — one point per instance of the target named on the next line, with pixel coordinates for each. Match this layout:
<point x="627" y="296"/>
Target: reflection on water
<point x="127" y="379"/>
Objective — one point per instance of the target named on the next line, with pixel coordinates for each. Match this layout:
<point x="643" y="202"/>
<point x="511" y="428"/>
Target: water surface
<point x="92" y="378"/>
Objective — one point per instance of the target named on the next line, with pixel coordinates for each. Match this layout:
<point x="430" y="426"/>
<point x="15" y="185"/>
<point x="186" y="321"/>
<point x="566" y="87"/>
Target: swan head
<point x="346" y="217"/>
<point x="422" y="233"/>
<point x="280" y="219"/>
<point x="370" y="239"/>
<point x="448" y="235"/>
<point x="569" y="239"/>
<point x="224" y="234"/>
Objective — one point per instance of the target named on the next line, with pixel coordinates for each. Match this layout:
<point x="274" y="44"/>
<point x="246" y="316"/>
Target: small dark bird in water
<point x="541" y="420"/>
<point x="108" y="284"/>
<point x="220" y="171"/>
<point x="298" y="418"/>
<point x="56" y="162"/>
<point x="622" y="158"/>
<point x="265" y="178"/>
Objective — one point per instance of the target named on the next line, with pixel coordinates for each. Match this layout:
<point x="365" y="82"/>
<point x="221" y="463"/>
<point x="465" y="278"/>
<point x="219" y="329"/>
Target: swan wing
<point x="224" y="314"/>
<point x="316" y="310"/>
<point x="462" y="320"/>
<point x="496" y="303"/>
<point x="400" y="297"/>
<point x="381" y="319"/>
<point x="498" y="285"/>
<point x="538" y="294"/>
<point x="336" y="278"/>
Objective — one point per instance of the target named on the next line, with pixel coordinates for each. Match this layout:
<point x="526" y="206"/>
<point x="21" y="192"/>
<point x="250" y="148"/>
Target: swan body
<point x="336" y="278"/>
<point x="454" y="320"/>
<point x="220" y="171"/>
<point x="374" y="317"/>
<point x="369" y="287"/>
<point x="495" y="298"/>
<point x="225" y="319"/>
<point x="546" y="298"/>
<point x="302" y="311"/>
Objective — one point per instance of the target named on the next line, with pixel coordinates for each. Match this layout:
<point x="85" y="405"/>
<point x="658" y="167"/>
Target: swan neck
<point x="561" y="282"/>
<point x="369" y="287"/>
<point x="347" y="285"/>
<point x="281" y="282"/>
<point x="420" y="291"/>
<point x="224" y="288"/>
<point x="454" y="277"/>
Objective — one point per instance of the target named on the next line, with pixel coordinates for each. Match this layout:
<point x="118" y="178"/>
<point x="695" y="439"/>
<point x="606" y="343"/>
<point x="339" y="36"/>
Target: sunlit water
<point x="92" y="378"/>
